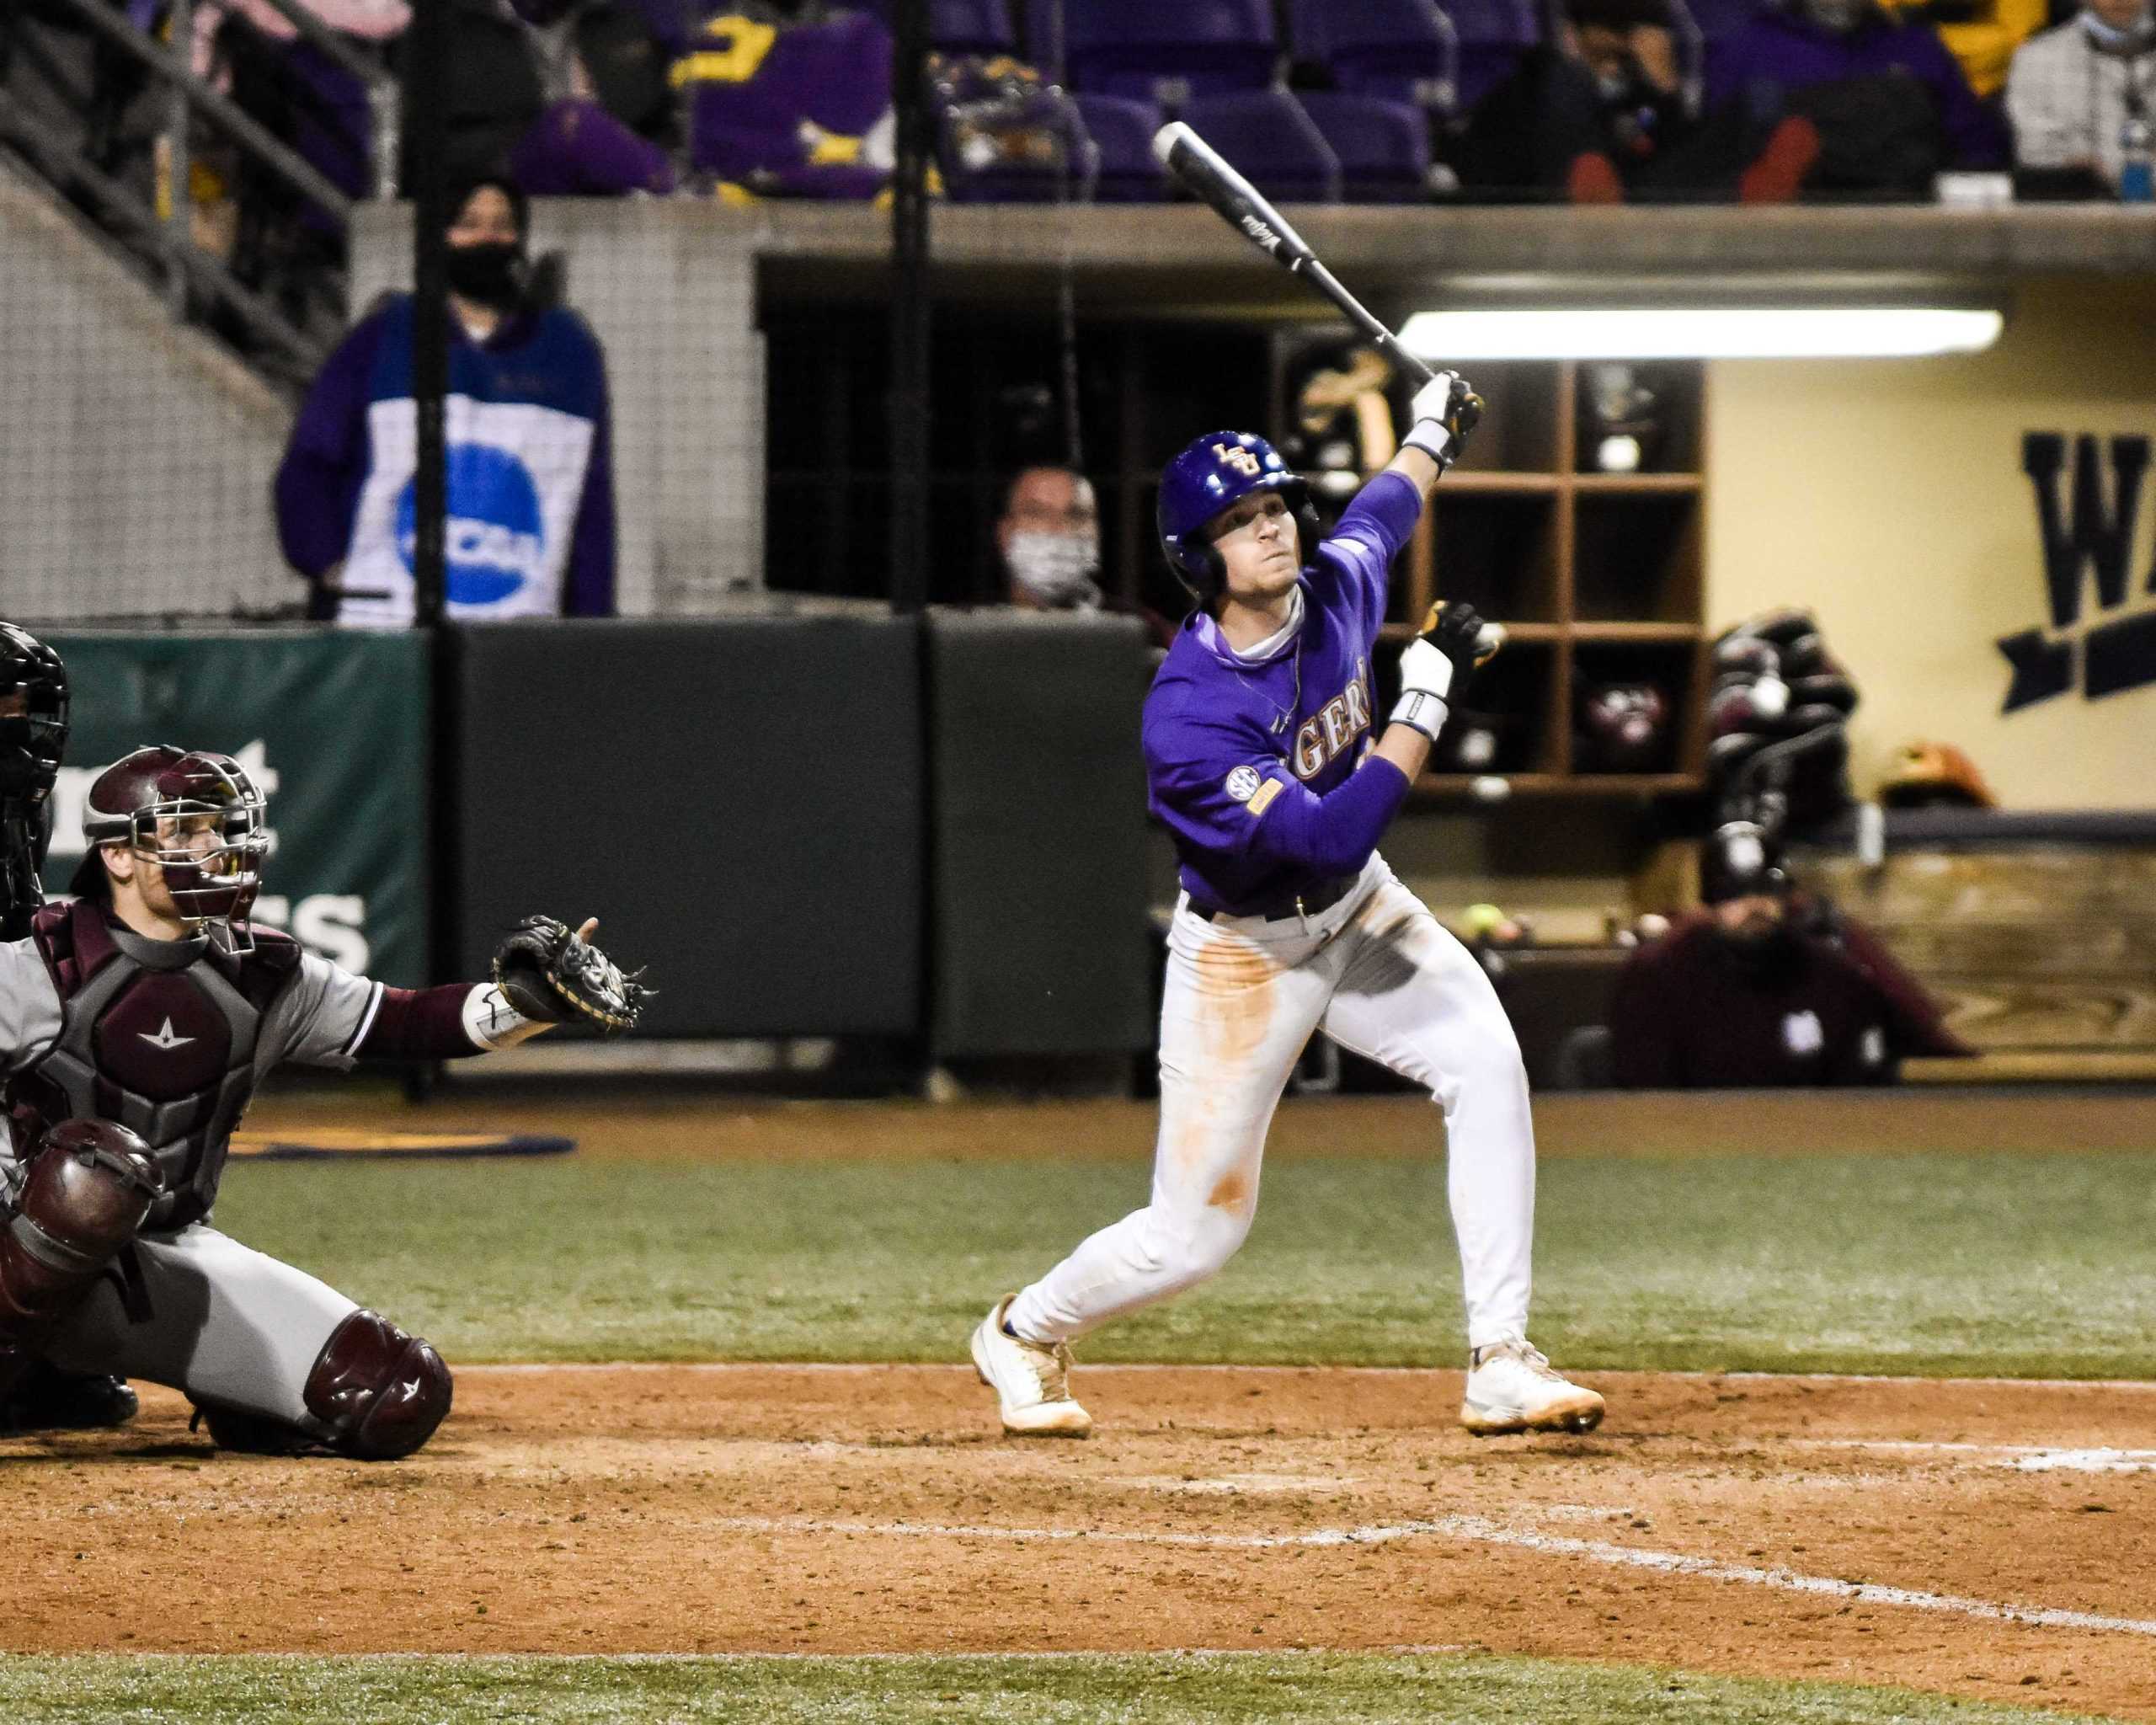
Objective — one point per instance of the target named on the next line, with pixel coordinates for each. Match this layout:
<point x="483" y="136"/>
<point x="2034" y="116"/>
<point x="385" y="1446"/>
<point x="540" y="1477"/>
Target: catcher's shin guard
<point x="380" y="1390"/>
<point x="87" y="1187"/>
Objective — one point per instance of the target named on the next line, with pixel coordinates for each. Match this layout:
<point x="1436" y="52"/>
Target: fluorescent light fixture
<point x="1702" y="333"/>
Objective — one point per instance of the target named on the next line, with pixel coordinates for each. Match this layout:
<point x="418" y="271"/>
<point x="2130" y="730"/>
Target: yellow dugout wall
<point x="1889" y="497"/>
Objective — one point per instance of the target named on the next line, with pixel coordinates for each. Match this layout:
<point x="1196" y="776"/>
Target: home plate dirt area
<point x="1991" y="1539"/>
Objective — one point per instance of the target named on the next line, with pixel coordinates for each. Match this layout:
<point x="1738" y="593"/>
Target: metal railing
<point x="195" y="282"/>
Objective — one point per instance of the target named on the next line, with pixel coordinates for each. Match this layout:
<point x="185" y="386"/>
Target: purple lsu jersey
<point x="1226" y="740"/>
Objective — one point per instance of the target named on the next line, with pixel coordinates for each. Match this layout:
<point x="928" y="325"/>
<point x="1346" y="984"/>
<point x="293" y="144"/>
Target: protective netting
<point x="135" y="455"/>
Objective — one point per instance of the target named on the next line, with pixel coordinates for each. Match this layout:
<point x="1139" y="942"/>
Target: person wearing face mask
<point x="1879" y="107"/>
<point x="1047" y="540"/>
<point x="2075" y="92"/>
<point x="1766" y="988"/>
<point x="531" y="528"/>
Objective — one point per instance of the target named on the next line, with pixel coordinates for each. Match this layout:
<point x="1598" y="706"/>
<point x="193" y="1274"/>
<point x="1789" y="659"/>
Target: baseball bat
<point x="1244" y="208"/>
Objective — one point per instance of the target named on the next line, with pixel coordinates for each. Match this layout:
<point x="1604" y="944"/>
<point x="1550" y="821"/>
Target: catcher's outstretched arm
<point x="544" y="975"/>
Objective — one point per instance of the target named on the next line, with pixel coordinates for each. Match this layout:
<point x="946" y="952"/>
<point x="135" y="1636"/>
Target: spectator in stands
<point x="2072" y="92"/>
<point x="531" y="530"/>
<point x="284" y="242"/>
<point x="1883" y="107"/>
<point x="1598" y="115"/>
<point x="1602" y="97"/>
<point x="1983" y="34"/>
<point x="570" y="95"/>
<point x="1766" y="988"/>
<point x="1049" y="542"/>
<point x="609" y="124"/>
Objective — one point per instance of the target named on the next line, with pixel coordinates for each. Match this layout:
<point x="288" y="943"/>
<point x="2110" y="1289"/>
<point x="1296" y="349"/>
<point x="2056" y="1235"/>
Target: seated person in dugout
<point x="136" y="1023"/>
<point x="1766" y="988"/>
<point x="1048" y="543"/>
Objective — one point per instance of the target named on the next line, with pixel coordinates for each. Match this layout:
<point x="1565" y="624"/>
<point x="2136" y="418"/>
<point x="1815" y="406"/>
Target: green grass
<point x="1159" y="1689"/>
<point x="1934" y="1263"/>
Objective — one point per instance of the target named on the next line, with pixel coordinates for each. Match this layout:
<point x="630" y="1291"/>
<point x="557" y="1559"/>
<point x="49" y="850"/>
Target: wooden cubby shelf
<point x="1597" y="577"/>
<point x="1451" y="787"/>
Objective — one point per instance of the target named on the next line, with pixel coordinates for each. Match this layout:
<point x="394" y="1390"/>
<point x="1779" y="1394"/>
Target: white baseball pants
<point x="1383" y="978"/>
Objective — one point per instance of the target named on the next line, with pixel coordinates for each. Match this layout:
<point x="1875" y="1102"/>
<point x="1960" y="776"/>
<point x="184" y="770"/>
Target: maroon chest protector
<point x="161" y="1037"/>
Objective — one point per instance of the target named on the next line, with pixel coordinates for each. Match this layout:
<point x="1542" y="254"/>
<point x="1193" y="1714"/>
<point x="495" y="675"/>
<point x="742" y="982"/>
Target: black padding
<point x="1993" y="829"/>
<point x="1042" y="942"/>
<point x="739" y="802"/>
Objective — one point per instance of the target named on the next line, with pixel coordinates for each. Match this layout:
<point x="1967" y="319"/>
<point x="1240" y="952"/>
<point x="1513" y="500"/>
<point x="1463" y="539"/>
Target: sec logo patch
<point x="1243" y="783"/>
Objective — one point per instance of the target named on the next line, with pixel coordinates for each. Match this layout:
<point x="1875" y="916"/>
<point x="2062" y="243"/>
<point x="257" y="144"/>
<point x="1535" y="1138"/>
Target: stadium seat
<point x="1493" y="35"/>
<point x="964" y="26"/>
<point x="1383" y="146"/>
<point x="1122" y="132"/>
<point x="1272" y="141"/>
<point x="1044" y="33"/>
<point x="1405" y="51"/>
<point x="1717" y="19"/>
<point x="1168" y="53"/>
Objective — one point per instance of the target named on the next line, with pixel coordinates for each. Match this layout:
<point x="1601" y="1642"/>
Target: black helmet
<point x="33" y="716"/>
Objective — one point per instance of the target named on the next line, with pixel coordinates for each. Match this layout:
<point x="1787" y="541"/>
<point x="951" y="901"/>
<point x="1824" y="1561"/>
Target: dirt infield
<point x="2004" y="1534"/>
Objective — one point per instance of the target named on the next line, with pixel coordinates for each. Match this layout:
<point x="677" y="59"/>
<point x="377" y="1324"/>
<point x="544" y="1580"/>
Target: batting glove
<point x="1445" y="410"/>
<point x="1438" y="666"/>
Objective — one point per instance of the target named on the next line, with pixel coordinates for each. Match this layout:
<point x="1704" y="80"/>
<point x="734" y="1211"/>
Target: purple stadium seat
<point x="964" y="26"/>
<point x="1722" y="18"/>
<point x="1122" y="132"/>
<point x="1044" y="33"/>
<point x="1383" y="147"/>
<point x="1405" y="51"/>
<point x="1275" y="144"/>
<point x="1493" y="35"/>
<point x="1168" y="51"/>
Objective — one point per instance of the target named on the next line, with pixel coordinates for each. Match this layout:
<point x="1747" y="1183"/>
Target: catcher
<point x="134" y="1024"/>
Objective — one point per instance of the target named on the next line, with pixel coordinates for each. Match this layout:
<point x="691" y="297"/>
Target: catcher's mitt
<point x="550" y="972"/>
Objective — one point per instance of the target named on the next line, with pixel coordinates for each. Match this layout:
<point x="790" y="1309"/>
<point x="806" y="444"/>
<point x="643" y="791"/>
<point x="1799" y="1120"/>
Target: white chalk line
<point x="2025" y="1458"/>
<point x="508" y="1369"/>
<point x="1478" y="1531"/>
<point x="1023" y="1656"/>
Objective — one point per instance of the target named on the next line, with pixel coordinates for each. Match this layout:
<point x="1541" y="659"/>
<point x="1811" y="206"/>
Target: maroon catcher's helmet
<point x="163" y="803"/>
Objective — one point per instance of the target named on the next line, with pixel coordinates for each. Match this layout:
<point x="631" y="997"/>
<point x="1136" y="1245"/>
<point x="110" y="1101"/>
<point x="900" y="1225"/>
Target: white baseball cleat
<point x="1512" y="1388"/>
<point x="1032" y="1380"/>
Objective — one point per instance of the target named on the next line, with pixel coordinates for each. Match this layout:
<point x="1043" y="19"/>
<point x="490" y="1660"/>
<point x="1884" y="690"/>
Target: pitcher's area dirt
<point x="1712" y="1523"/>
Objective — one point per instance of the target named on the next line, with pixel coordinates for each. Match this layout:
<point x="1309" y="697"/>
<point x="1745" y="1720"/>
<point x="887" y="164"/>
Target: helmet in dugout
<point x="1933" y="775"/>
<point x="32" y="715"/>
<point x="1213" y="472"/>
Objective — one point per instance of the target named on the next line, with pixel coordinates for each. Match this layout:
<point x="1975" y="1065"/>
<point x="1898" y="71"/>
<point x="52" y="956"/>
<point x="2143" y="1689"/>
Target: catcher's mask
<point x="200" y="817"/>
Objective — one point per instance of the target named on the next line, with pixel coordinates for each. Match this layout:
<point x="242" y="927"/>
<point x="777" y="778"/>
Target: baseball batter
<point x="135" y="1025"/>
<point x="1265" y="758"/>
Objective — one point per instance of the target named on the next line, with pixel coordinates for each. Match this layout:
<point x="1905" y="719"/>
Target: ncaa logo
<point x="494" y="540"/>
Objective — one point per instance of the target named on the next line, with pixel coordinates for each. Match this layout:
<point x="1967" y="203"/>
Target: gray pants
<point x="228" y="1324"/>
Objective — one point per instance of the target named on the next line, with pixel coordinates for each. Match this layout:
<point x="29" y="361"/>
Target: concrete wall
<point x="135" y="455"/>
<point x="671" y="293"/>
<point x="1889" y="495"/>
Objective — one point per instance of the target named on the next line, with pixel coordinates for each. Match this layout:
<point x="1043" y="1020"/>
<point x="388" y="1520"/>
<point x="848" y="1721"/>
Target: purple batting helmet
<point x="1214" y="472"/>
